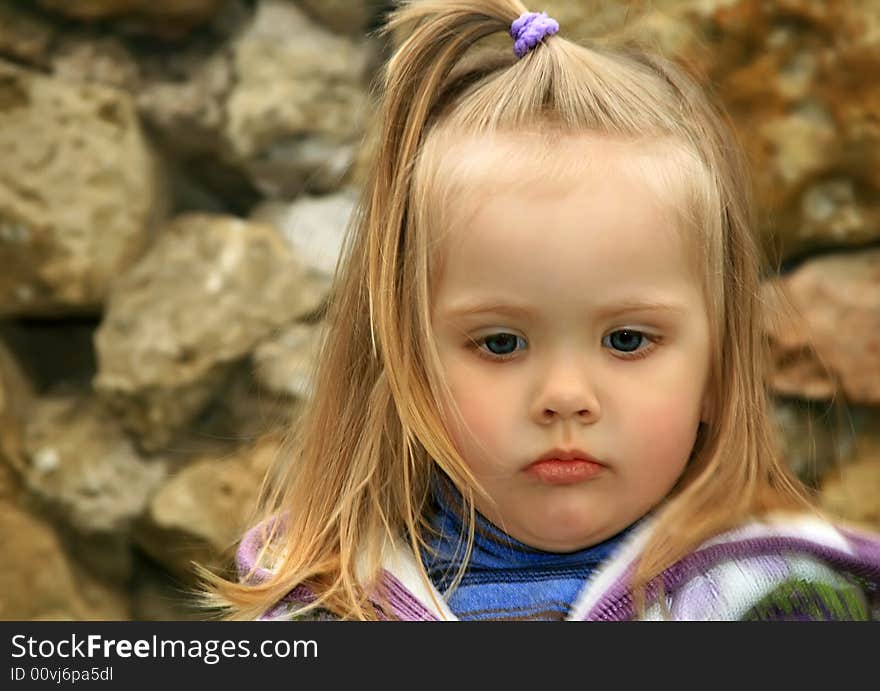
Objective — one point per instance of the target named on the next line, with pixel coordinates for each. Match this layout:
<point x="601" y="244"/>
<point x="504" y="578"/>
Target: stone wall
<point x="177" y="178"/>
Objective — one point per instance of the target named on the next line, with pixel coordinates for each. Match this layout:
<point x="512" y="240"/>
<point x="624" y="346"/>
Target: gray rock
<point x="315" y="228"/>
<point x="210" y="289"/>
<point x="296" y="113"/>
<point x="241" y="412"/>
<point x="285" y="364"/>
<point x="83" y="469"/>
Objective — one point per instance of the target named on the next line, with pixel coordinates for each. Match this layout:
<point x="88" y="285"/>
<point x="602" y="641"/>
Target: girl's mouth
<point x="554" y="471"/>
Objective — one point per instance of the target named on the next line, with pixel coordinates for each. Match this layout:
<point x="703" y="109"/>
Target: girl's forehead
<point x="513" y="159"/>
<point x="470" y="171"/>
<point x="467" y="170"/>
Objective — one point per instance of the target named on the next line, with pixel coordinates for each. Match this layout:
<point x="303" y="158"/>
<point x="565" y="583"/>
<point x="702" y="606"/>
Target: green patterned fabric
<point x="811" y="601"/>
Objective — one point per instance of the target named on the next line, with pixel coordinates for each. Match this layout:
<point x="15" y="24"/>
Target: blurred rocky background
<point x="176" y="180"/>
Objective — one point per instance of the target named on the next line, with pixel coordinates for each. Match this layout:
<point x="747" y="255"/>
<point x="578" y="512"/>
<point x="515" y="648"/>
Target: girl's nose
<point x="564" y="412"/>
<point x="567" y="393"/>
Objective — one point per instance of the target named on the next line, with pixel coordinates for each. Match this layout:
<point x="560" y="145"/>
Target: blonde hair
<point x="362" y="454"/>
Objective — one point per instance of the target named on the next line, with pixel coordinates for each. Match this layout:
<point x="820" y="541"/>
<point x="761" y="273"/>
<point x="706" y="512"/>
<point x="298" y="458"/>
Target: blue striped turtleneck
<point x="504" y="579"/>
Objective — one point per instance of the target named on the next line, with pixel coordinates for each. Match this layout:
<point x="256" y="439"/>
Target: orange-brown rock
<point x="201" y="512"/>
<point x="798" y="79"/>
<point x="852" y="491"/>
<point x="39" y="581"/>
<point x="831" y="342"/>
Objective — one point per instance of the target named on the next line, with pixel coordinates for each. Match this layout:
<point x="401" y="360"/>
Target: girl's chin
<point x="569" y="541"/>
<point x="561" y="527"/>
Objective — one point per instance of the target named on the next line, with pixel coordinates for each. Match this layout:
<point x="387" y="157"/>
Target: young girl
<point x="541" y="395"/>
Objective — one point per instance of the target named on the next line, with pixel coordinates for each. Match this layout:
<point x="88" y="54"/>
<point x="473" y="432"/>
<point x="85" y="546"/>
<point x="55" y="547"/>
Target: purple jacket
<point x="782" y="568"/>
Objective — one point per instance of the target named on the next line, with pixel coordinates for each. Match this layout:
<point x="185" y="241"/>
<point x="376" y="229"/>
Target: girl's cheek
<point x="486" y="418"/>
<point x="473" y="396"/>
<point x="474" y="386"/>
<point x="479" y="413"/>
<point x="669" y="428"/>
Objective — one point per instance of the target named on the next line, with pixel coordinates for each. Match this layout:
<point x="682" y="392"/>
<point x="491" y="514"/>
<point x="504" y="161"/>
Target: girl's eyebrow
<point x="608" y="311"/>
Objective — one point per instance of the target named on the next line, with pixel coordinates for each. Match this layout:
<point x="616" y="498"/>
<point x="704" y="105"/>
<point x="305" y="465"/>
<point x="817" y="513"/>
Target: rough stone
<point x="202" y="511"/>
<point x="83" y="469"/>
<point x="10" y="482"/>
<point x="171" y="19"/>
<point x="346" y="16"/>
<point x="79" y="190"/>
<point x="241" y="413"/>
<point x="296" y="115"/>
<point x="41" y="582"/>
<point x="24" y="36"/>
<point x="184" y="97"/>
<point x="16" y="398"/>
<point x="284" y="364"/>
<point x="852" y="491"/>
<point x="814" y="436"/>
<point x="210" y="289"/>
<point x="103" y="60"/>
<point x="797" y="77"/>
<point x="831" y="342"/>
<point x="315" y="228"/>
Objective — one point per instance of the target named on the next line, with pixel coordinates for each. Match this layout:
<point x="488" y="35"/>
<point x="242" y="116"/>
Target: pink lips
<point x="559" y="467"/>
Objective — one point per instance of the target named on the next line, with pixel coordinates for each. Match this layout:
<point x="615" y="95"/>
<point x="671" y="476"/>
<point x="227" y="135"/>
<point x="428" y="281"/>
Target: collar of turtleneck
<point x="504" y="579"/>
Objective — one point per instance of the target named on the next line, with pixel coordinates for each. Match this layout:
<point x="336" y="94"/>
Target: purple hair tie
<point x="529" y="29"/>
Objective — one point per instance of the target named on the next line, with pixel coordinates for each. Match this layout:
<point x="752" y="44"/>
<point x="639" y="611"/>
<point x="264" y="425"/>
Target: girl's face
<point x="568" y="317"/>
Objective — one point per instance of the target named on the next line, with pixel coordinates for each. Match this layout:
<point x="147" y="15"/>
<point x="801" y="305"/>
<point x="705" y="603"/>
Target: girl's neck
<point x="504" y="578"/>
<point x="492" y="546"/>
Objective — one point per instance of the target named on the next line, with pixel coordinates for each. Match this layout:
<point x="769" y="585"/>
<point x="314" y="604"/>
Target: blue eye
<point x="499" y="346"/>
<point x="625" y="340"/>
<point x="628" y="344"/>
<point x="628" y="341"/>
